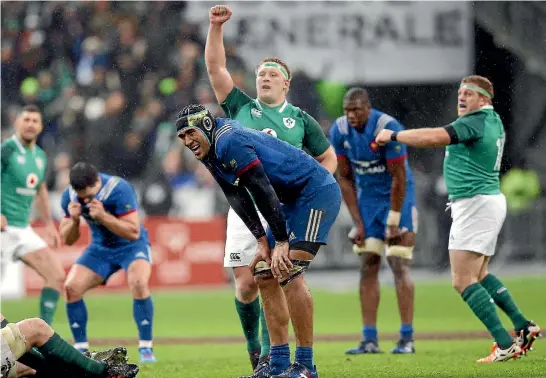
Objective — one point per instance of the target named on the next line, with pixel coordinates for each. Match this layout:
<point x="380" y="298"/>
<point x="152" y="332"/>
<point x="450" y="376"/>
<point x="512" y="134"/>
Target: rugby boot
<point x="146" y="355"/>
<point x="263" y="370"/>
<point x="499" y="355"/>
<point x="527" y="336"/>
<point x="297" y="370"/>
<point x="122" y="371"/>
<point x="254" y="359"/>
<point x="404" y="347"/>
<point x="114" y="356"/>
<point x="365" y="347"/>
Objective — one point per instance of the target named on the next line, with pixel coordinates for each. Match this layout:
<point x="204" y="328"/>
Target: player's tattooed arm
<point x="242" y="204"/>
<point x="257" y="183"/>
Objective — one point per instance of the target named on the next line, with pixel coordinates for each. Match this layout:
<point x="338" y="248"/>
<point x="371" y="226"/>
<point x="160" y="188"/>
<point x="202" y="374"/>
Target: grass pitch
<point x="198" y="334"/>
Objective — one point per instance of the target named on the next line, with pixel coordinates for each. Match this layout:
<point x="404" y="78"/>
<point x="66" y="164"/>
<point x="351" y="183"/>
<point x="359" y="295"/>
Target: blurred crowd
<point x="109" y="78"/>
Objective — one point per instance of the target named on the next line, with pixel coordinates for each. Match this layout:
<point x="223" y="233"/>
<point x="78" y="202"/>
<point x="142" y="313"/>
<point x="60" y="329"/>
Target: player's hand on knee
<point x="357" y="235"/>
<point x="4" y="223"/>
<point x="393" y="235"/>
<point x="280" y="260"/>
<point x="219" y="14"/>
<point x="263" y="253"/>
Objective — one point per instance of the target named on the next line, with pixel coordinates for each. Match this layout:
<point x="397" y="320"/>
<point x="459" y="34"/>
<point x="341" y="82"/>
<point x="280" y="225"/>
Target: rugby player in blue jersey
<point x="300" y="201"/>
<point x="378" y="188"/>
<point x="118" y="241"/>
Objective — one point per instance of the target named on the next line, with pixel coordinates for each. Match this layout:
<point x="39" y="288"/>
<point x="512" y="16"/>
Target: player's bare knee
<point x="369" y="267"/>
<point x="43" y="331"/>
<point x="461" y="282"/>
<point x="400" y="268"/>
<point x="73" y="291"/>
<point x="55" y="279"/>
<point x="139" y="288"/>
<point x="35" y="331"/>
<point x="246" y="289"/>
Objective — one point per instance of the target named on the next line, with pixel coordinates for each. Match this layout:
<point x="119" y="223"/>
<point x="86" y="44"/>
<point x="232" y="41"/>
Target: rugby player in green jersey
<point x="23" y="174"/>
<point x="271" y="113"/>
<point x="474" y="146"/>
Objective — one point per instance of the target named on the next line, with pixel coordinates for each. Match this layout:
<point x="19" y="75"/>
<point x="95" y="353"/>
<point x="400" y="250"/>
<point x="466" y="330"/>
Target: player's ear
<point x="286" y="87"/>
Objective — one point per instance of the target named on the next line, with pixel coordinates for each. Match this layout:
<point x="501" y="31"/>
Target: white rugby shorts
<point x="477" y="222"/>
<point x="18" y="241"/>
<point x="241" y="245"/>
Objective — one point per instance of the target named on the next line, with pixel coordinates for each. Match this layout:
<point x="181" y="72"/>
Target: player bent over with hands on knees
<point x="54" y="357"/>
<point x="378" y="188"/>
<point x="474" y="146"/>
<point x="270" y="113"/>
<point x="118" y="241"/>
<point x="23" y="179"/>
<point x="300" y="201"/>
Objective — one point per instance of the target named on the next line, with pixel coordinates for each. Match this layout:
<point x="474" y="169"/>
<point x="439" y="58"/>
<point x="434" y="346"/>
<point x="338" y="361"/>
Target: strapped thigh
<point x="298" y="267"/>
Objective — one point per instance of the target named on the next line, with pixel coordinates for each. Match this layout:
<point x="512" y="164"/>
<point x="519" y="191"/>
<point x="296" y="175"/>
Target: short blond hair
<point x="480" y="81"/>
<point x="278" y="61"/>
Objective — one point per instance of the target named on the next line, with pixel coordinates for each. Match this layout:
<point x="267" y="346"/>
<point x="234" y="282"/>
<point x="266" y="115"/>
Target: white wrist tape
<point x="393" y="219"/>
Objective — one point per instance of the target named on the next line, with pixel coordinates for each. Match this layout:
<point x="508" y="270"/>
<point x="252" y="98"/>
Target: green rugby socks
<point x="56" y="349"/>
<point x="48" y="304"/>
<point x="483" y="306"/>
<point x="504" y="300"/>
<point x="266" y="345"/>
<point x="249" y="314"/>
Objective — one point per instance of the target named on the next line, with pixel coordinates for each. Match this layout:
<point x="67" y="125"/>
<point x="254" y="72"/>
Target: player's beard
<point x="27" y="140"/>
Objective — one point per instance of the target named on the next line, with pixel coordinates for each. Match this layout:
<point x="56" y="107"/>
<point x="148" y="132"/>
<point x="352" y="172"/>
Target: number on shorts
<point x="500" y="149"/>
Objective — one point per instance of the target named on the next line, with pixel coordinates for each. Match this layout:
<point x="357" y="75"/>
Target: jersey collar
<point x="21" y="147"/>
<point x="280" y="107"/>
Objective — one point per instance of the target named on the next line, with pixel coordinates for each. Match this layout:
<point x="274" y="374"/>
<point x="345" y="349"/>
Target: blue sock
<point x="279" y="358"/>
<point x="304" y="355"/>
<point x="143" y="312"/>
<point x="406" y="332"/>
<point x="369" y="333"/>
<point x="77" y="319"/>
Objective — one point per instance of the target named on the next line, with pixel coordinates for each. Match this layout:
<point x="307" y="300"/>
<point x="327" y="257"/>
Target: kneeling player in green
<point x="475" y="143"/>
<point x="270" y="113"/>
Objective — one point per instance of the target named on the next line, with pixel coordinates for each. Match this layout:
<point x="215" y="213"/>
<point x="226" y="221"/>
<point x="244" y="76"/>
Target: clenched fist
<point x="75" y="210"/>
<point x="219" y="14"/>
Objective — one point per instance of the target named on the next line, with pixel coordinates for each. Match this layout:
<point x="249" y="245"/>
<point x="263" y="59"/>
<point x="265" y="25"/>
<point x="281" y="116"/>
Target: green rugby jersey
<point x="472" y="166"/>
<point x="23" y="171"/>
<point x="286" y="121"/>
